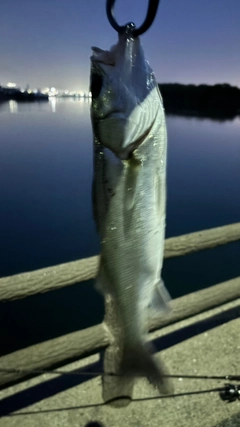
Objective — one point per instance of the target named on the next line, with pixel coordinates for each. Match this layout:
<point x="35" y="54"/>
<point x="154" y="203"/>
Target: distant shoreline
<point x="15" y="94"/>
<point x="220" y="101"/>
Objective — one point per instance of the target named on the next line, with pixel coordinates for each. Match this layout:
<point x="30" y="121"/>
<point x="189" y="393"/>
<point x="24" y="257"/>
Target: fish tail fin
<point x="160" y="303"/>
<point x="137" y="360"/>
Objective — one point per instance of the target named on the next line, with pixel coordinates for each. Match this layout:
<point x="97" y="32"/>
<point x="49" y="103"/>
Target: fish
<point x="129" y="197"/>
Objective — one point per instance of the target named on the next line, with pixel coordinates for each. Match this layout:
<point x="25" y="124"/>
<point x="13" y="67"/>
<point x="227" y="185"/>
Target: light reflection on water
<point x="53" y="104"/>
<point x="13" y="106"/>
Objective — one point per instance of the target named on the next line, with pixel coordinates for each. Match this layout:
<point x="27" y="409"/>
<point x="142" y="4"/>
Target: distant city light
<point x="11" y="84"/>
<point x="52" y="92"/>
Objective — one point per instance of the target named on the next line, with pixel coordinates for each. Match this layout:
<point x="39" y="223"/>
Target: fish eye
<point x="96" y="85"/>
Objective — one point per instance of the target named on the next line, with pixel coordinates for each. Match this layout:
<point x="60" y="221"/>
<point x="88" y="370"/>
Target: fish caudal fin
<point x="161" y="298"/>
<point x="137" y="361"/>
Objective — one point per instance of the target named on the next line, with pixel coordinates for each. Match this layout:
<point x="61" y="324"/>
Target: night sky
<point x="47" y="43"/>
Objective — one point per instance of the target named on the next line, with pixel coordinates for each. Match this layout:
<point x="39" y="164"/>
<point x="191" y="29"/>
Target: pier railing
<point x="91" y="340"/>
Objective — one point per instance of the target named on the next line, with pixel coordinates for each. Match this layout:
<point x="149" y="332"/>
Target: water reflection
<point x="79" y="105"/>
<point x="53" y="103"/>
<point x="214" y="116"/>
<point x="13" y="106"/>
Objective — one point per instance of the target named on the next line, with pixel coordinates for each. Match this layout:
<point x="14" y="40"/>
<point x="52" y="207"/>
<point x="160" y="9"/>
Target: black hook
<point x="130" y="27"/>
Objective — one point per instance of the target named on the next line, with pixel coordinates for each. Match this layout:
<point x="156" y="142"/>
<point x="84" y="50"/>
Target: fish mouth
<point x="96" y="84"/>
<point x="105" y="57"/>
<point x="96" y="67"/>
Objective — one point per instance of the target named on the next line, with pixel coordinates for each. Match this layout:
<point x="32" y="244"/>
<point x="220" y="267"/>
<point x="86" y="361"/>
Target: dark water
<point x="46" y="218"/>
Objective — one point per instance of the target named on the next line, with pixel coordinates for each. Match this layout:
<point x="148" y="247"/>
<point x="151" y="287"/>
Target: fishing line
<point x="111" y="374"/>
<point x="101" y="404"/>
<point x="228" y="393"/>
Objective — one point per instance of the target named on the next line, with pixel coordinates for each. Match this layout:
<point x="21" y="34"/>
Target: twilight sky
<point x="47" y="42"/>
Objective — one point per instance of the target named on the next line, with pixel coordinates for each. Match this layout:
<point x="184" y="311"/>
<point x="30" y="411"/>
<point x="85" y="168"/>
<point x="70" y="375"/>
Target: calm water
<point x="46" y="217"/>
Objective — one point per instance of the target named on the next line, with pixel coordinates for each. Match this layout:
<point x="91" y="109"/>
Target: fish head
<point x="125" y="96"/>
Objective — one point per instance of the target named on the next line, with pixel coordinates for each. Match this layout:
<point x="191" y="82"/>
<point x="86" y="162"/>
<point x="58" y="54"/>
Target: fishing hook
<point x="130" y="27"/>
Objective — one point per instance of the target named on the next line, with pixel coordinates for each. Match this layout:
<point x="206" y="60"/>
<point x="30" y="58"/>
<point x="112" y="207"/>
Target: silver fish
<point x="129" y="195"/>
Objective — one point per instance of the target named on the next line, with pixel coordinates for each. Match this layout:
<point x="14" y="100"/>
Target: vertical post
<point x="117" y="390"/>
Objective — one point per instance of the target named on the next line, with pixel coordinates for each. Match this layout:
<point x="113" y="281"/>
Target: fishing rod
<point x="131" y="27"/>
<point x="229" y="393"/>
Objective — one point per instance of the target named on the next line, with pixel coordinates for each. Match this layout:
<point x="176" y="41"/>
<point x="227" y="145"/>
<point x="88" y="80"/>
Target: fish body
<point x="129" y="194"/>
